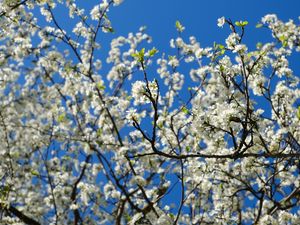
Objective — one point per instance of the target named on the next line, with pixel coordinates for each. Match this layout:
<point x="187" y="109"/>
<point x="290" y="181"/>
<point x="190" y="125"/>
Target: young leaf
<point x="222" y="68"/>
<point x="185" y="110"/>
<point x="259" y="45"/>
<point x="152" y="52"/>
<point x="61" y="117"/>
<point x="221" y="46"/>
<point x="244" y="23"/>
<point x="99" y="132"/>
<point x="179" y="26"/>
<point x="139" y="56"/>
<point x="259" y="25"/>
<point x="35" y="173"/>
<point x="100" y="86"/>
<point x="241" y="23"/>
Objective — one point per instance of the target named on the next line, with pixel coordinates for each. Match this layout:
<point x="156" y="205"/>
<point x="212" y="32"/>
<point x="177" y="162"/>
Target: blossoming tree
<point x="80" y="147"/>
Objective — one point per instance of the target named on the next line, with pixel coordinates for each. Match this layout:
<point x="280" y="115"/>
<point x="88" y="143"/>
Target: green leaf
<point x="221" y="46"/>
<point x="100" y="86"/>
<point x="4" y="191"/>
<point x="139" y="56"/>
<point x="222" y="68"/>
<point x="152" y="52"/>
<point x="105" y="16"/>
<point x="15" y="20"/>
<point x="245" y="23"/>
<point x="99" y="132"/>
<point x="179" y="26"/>
<point x="185" y="110"/>
<point x="259" y="25"/>
<point x="241" y="23"/>
<point x="188" y="148"/>
<point x="66" y="157"/>
<point x="160" y="125"/>
<point x="127" y="217"/>
<point x="134" y="55"/>
<point x="283" y="40"/>
<point x="61" y="117"/>
<point x="237" y="23"/>
<point x="35" y="173"/>
<point x="298" y="112"/>
<point x="170" y="57"/>
<point x="15" y="155"/>
<point x="172" y="216"/>
<point x="109" y="29"/>
<point x="259" y="45"/>
<point x="142" y="52"/>
<point x="284" y="44"/>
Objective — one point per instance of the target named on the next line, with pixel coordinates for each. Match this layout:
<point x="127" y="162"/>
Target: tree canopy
<point x="146" y="142"/>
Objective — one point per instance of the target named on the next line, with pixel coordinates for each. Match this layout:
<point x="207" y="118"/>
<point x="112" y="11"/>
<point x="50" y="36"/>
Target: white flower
<point x="164" y="220"/>
<point x="240" y="48"/>
<point x="117" y="2"/>
<point x="135" y="218"/>
<point x="173" y="62"/>
<point x="199" y="52"/>
<point x="133" y="115"/>
<point x="95" y="12"/>
<point x="115" y="194"/>
<point x="232" y="40"/>
<point x="221" y="21"/>
<point x="172" y="43"/>
<point x="46" y="13"/>
<point x="74" y="206"/>
<point x="270" y="18"/>
<point x="138" y="91"/>
<point x="84" y="197"/>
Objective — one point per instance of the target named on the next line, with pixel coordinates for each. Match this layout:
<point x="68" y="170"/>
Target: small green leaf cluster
<point x="140" y="56"/>
<point x="180" y="28"/>
<point x="241" y="23"/>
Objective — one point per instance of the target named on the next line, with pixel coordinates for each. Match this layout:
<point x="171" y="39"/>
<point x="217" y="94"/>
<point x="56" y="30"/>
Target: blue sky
<point x="198" y="16"/>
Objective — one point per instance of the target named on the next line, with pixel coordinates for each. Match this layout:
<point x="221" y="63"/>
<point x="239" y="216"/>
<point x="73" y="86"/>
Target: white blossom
<point x="221" y="21"/>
